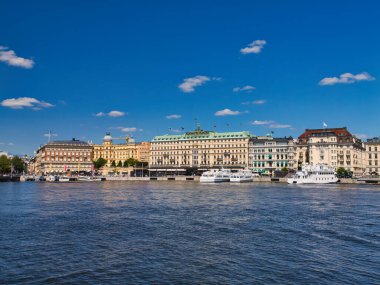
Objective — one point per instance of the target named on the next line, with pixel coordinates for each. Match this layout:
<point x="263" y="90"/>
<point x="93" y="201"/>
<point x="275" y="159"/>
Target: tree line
<point x="14" y="164"/>
<point x="100" y="162"/>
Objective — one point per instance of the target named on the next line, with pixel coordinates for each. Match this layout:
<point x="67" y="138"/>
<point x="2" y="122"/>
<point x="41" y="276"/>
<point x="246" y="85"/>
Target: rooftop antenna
<point x="49" y="135"/>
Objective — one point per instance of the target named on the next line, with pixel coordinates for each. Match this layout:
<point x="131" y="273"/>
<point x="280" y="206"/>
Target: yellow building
<point x="121" y="152"/>
<point x="199" y="150"/>
<point x="115" y="152"/>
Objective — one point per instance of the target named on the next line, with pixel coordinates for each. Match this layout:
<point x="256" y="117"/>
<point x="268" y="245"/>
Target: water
<point x="188" y="233"/>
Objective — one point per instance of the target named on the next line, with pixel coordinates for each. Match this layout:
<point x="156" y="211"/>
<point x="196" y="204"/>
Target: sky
<point x="147" y="68"/>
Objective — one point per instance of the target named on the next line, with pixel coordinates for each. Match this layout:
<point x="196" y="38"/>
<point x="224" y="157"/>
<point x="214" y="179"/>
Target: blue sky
<point x="260" y="66"/>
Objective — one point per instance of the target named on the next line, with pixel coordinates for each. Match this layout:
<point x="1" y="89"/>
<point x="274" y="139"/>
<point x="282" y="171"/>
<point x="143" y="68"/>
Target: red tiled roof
<point x="340" y="132"/>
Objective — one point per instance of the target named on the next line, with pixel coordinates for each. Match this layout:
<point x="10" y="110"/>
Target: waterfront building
<point x="336" y="147"/>
<point x="268" y="154"/>
<point x="373" y="156"/>
<point x="121" y="152"/>
<point x="62" y="156"/>
<point x="199" y="150"/>
<point x="143" y="151"/>
<point x="115" y="152"/>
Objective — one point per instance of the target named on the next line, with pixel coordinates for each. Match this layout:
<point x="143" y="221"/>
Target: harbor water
<point x="189" y="233"/>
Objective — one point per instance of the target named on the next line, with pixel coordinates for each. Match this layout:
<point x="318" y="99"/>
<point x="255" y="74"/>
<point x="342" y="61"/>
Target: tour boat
<point x="314" y="174"/>
<point x="215" y="175"/>
<point x="52" y="178"/>
<point x="242" y="176"/>
<point x="89" y="178"/>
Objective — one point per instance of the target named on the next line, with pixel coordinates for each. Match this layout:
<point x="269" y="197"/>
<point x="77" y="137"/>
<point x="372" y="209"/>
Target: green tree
<point x="119" y="164"/>
<point x="125" y="164"/>
<point x="5" y="164"/>
<point x="131" y="161"/>
<point x="18" y="164"/>
<point x="285" y="169"/>
<point x="100" y="162"/>
<point x="341" y="172"/>
<point x="113" y="164"/>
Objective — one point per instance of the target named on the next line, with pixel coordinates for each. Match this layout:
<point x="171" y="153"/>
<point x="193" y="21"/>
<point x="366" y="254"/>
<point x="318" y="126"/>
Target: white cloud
<point x="129" y="130"/>
<point x="361" y="136"/>
<point x="254" y="47"/>
<point x="25" y="102"/>
<point x="279" y="126"/>
<point x="9" y="57"/>
<point x="257" y="102"/>
<point x="116" y="114"/>
<point x="247" y="88"/>
<point x="174" y="116"/>
<point x="50" y="135"/>
<point x="260" y="123"/>
<point x="346" y="78"/>
<point x="188" y="85"/>
<point x="227" y="112"/>
<point x="110" y="114"/>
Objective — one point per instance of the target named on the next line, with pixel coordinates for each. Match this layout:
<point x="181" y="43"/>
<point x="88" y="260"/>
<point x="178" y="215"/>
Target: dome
<point x="107" y="137"/>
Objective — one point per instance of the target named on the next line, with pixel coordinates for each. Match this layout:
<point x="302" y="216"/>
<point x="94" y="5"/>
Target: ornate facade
<point x="373" y="156"/>
<point x="62" y="156"/>
<point x="268" y="154"/>
<point x="121" y="152"/>
<point x="336" y="147"/>
<point x="199" y="150"/>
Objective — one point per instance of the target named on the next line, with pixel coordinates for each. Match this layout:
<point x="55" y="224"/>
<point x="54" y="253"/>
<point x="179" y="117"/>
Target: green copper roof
<point x="199" y="134"/>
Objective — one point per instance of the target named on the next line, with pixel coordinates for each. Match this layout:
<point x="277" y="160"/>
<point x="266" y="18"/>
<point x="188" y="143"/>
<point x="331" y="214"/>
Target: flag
<point x="324" y="125"/>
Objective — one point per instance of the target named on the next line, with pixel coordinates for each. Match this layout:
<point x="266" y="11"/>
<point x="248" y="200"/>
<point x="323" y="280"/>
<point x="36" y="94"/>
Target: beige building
<point x="58" y="157"/>
<point x="121" y="152"/>
<point x="199" y="150"/>
<point x="268" y="154"/>
<point x="336" y="147"/>
<point x="373" y="156"/>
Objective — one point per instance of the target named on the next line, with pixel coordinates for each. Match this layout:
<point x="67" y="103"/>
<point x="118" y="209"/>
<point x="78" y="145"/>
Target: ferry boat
<point x="314" y="174"/>
<point x="215" y="175"/>
<point x="242" y="176"/>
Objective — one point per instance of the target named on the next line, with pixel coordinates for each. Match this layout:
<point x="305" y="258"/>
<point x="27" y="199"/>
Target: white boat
<point x="89" y="178"/>
<point x="215" y="175"/>
<point x="242" y="176"/>
<point x="51" y="178"/>
<point x="67" y="179"/>
<point x="314" y="174"/>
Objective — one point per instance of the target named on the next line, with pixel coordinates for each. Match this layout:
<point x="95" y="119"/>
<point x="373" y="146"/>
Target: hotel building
<point x="332" y="146"/>
<point x="61" y="156"/>
<point x="373" y="156"/>
<point x="121" y="152"/>
<point x="268" y="154"/>
<point x="199" y="150"/>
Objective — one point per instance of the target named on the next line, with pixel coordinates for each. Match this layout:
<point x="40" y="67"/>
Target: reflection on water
<point x="173" y="232"/>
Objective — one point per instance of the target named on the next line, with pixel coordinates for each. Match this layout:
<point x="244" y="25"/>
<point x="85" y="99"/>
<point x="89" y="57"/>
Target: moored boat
<point x="215" y="175"/>
<point x="242" y="176"/>
<point x="314" y="174"/>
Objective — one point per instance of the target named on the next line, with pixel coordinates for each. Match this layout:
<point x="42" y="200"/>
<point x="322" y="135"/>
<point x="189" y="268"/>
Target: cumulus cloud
<point x="129" y="130"/>
<point x="9" y="57"/>
<point x="361" y="136"/>
<point x="110" y="114"/>
<point x="257" y="102"/>
<point x="279" y="126"/>
<point x="254" y="47"/>
<point x="261" y="123"/>
<point x="247" y="88"/>
<point x="346" y="78"/>
<point x="188" y="85"/>
<point x="227" y="112"/>
<point x="174" y="116"/>
<point x="25" y="102"/>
